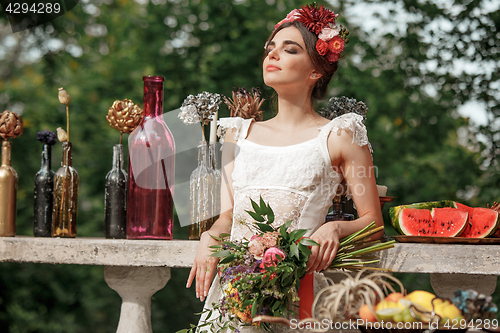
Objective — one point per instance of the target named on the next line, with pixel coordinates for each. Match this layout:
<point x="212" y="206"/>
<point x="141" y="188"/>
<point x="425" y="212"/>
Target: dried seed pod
<point x="124" y="116"/>
<point x="64" y="97"/>
<point x="11" y="125"/>
<point x="62" y="136"/>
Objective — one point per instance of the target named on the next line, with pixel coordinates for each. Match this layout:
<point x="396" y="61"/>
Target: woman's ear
<point x="315" y="75"/>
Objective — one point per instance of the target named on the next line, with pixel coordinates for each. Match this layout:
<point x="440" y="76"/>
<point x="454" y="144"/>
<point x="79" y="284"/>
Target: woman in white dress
<point x="297" y="159"/>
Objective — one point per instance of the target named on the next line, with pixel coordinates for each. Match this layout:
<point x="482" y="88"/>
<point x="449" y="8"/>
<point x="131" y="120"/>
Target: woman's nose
<point x="273" y="54"/>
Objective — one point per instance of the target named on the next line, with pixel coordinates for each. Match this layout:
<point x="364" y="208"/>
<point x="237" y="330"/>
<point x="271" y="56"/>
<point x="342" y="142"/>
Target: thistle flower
<point x="46" y="137"/>
<point x="244" y="104"/>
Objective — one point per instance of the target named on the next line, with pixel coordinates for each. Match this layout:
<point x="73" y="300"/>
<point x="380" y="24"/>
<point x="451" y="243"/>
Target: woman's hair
<point x="320" y="64"/>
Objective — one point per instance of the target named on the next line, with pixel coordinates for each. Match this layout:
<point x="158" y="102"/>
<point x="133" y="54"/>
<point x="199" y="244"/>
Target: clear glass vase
<point x="204" y="191"/>
<point x="150" y="203"/>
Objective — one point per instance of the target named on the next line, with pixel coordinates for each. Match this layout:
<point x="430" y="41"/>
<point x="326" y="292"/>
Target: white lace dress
<point x="297" y="181"/>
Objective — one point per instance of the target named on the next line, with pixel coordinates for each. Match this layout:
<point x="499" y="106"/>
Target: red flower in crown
<point x="316" y="18"/>
<point x="336" y="45"/>
<point x="332" y="57"/>
<point x="322" y="47"/>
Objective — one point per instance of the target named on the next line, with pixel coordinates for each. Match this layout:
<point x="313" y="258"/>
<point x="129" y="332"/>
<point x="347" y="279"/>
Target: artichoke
<point x="11" y="125"/>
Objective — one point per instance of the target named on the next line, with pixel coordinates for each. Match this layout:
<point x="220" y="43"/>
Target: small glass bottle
<point x="150" y="206"/>
<point x="115" y="198"/>
<point x="201" y="183"/>
<point x="214" y="149"/>
<point x="44" y="195"/>
<point x="65" y="204"/>
<point x="8" y="193"/>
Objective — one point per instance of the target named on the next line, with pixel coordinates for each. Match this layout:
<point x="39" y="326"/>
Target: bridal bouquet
<point x="261" y="276"/>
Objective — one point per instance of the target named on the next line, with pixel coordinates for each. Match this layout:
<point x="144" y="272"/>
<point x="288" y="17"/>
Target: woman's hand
<point x="327" y="236"/>
<point x="204" y="266"/>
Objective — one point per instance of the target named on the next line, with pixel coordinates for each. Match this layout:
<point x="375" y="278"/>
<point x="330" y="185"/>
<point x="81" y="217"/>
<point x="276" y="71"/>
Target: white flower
<point x="328" y="33"/>
<point x="189" y="115"/>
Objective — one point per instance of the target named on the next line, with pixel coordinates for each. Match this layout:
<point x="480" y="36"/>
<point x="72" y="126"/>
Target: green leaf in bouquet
<point x="256" y="208"/>
<point x="308" y="242"/>
<point x="246" y="303"/>
<point x="215" y="247"/>
<point x="254" y="308"/>
<point x="287" y="278"/>
<point x="221" y="254"/>
<point x="296" y="234"/>
<point x="276" y="306"/>
<point x="263" y="206"/>
<point x="227" y="259"/>
<point x="270" y="215"/>
<point x="284" y="228"/>
<point x="265" y="227"/>
<point x="256" y="216"/>
<point x="294" y="250"/>
<point x="306" y="251"/>
<point x="231" y="245"/>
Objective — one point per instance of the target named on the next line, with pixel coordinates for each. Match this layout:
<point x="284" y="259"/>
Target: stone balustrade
<point x="129" y="263"/>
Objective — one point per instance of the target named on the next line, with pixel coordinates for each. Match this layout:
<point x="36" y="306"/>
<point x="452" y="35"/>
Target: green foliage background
<point x="423" y="149"/>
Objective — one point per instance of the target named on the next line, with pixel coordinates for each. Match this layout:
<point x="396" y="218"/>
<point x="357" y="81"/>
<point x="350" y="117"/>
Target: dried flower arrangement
<point x="11" y="125"/>
<point x="201" y="108"/>
<point x="124" y="116"/>
<point x="245" y="104"/>
<point x="338" y="106"/>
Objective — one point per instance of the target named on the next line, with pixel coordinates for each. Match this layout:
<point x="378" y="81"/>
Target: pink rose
<point x="328" y="33"/>
<point x="256" y="248"/>
<point x="270" y="239"/>
<point x="271" y="256"/>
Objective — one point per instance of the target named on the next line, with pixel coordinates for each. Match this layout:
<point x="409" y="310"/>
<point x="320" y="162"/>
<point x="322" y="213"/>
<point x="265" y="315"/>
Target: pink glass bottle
<point x="151" y="170"/>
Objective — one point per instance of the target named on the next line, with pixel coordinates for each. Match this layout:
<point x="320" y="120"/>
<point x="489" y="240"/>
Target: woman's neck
<point x="295" y="112"/>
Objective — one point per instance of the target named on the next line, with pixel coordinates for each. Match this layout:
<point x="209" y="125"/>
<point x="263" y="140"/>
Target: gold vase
<point x="65" y="205"/>
<point x="8" y="192"/>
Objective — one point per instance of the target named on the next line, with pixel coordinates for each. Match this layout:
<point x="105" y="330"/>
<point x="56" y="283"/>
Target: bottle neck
<point x="153" y="96"/>
<point x="6" y="157"/>
<point x="47" y="157"/>
<point x="213" y="155"/>
<point x="67" y="158"/>
<point x="203" y="156"/>
<point x="118" y="156"/>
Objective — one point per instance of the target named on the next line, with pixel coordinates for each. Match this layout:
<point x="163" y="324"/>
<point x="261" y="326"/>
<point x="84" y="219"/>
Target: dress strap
<point x="241" y="125"/>
<point x="351" y="121"/>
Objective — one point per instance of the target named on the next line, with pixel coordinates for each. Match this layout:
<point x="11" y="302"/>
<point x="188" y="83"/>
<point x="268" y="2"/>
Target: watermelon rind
<point x="394" y="212"/>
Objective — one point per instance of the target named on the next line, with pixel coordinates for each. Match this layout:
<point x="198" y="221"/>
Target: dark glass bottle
<point x="151" y="170"/>
<point x="44" y="195"/>
<point x="8" y="193"/>
<point x="65" y="209"/>
<point x="115" y="198"/>
<point x="338" y="213"/>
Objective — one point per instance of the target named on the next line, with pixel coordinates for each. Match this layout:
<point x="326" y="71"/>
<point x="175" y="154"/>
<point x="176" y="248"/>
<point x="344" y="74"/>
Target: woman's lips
<point x="272" y="68"/>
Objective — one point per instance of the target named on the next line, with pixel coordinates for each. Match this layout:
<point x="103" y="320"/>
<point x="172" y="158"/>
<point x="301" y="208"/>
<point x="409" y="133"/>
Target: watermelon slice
<point x="483" y="221"/>
<point x="395" y="212"/>
<point x="440" y="222"/>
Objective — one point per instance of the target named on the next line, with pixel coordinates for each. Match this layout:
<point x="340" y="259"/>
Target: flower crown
<point x="321" y="22"/>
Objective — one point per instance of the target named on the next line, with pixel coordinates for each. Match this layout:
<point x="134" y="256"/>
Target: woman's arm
<point x="356" y="165"/>
<point x="204" y="266"/>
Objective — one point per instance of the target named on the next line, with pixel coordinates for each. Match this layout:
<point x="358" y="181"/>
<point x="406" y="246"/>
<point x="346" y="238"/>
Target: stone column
<point x="136" y="285"/>
<point x="445" y="284"/>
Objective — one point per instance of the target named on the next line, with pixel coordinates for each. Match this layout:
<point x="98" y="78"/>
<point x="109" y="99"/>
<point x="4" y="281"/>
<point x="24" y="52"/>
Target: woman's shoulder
<point x="236" y="125"/>
<point x="349" y="125"/>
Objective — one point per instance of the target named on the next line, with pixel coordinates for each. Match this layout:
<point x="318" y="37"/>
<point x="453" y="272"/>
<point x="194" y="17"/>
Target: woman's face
<point x="287" y="61"/>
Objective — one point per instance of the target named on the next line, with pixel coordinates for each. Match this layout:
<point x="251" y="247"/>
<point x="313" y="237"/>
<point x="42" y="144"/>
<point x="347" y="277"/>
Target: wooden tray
<point x="446" y="240"/>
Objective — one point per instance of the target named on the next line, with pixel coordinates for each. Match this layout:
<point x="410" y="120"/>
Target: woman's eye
<point x="291" y="51"/>
<point x="268" y="50"/>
